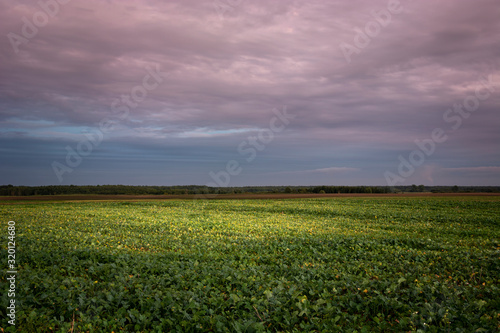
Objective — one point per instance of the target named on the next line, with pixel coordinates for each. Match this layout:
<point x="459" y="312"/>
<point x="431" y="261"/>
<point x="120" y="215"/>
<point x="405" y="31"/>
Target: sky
<point x="243" y="93"/>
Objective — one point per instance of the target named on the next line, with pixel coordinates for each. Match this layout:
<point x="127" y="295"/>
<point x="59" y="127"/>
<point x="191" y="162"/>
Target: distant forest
<point x="10" y="190"/>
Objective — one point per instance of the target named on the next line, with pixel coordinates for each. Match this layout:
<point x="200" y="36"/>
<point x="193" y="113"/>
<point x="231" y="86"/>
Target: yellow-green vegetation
<point x="312" y="265"/>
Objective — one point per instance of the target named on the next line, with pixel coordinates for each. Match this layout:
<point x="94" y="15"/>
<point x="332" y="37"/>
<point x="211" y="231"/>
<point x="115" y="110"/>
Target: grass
<point x="315" y="265"/>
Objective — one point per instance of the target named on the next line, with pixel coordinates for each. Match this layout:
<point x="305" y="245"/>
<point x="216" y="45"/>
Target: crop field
<point x="296" y="265"/>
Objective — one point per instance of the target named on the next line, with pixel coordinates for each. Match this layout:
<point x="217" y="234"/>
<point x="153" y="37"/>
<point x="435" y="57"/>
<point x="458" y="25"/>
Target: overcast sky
<point x="240" y="92"/>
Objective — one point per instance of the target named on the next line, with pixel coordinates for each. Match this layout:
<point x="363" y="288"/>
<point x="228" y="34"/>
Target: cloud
<point x="326" y="170"/>
<point x="224" y="76"/>
<point x="481" y="169"/>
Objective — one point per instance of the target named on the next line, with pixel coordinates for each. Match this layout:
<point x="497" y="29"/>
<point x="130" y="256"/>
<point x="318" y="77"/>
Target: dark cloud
<point x="224" y="73"/>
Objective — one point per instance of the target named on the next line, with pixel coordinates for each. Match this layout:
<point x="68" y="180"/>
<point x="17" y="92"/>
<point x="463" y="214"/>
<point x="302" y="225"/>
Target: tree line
<point x="10" y="190"/>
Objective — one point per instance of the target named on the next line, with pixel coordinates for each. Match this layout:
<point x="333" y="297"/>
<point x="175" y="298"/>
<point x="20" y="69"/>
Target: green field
<point x="312" y="265"/>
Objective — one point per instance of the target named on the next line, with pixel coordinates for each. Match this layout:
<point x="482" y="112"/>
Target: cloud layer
<point x="187" y="82"/>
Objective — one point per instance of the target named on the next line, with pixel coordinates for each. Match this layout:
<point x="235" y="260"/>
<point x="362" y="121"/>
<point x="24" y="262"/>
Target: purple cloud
<point x="223" y="77"/>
